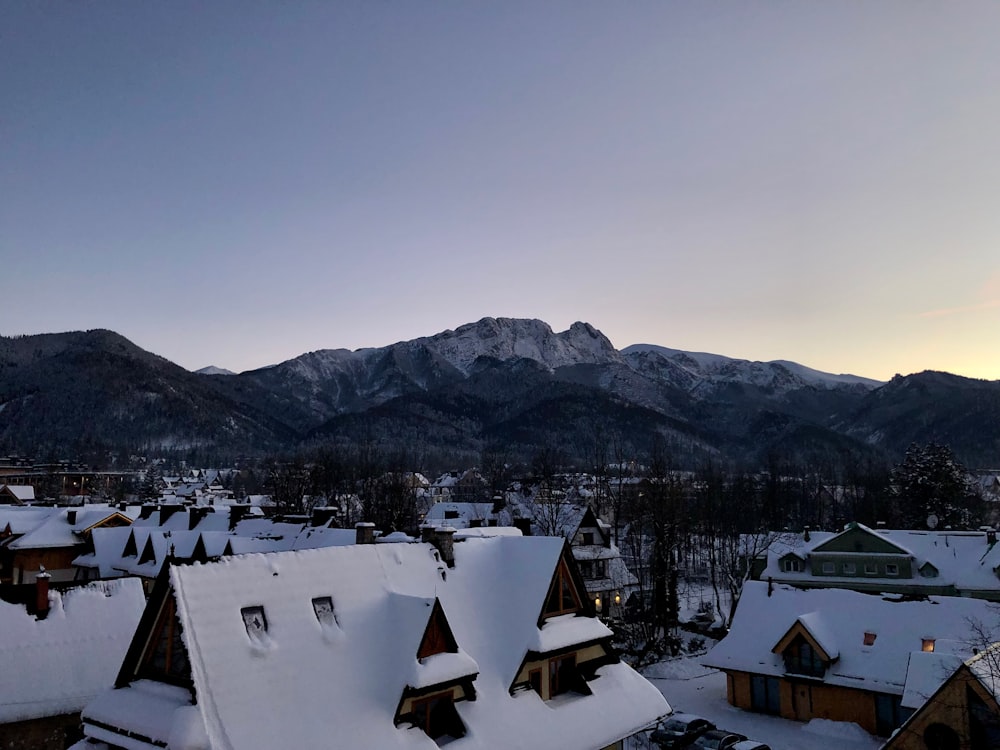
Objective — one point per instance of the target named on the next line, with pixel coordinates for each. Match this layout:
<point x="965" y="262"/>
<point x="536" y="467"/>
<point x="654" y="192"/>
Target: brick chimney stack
<point x="42" y="593"/>
<point x="445" y="542"/>
<point x="364" y="533"/>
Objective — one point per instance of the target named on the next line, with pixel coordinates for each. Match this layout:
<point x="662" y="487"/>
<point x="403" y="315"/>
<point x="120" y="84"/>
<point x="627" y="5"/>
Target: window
<point x="599" y="568"/>
<point x="850" y="569"/>
<point x="927" y="644"/>
<point x="588" y="537"/>
<point x="535" y="680"/>
<point x="437" y="716"/>
<point x="255" y="622"/>
<point x="891" y="569"/>
<point x="871" y="569"/>
<point x="323" y="609"/>
<point x="587" y="569"/>
<point x="791" y="565"/>
<point x="801" y="658"/>
<point x="870" y="638"/>
<point x="928" y="571"/>
<point x="765" y="694"/>
<point x="941" y="737"/>
<point x="563" y="675"/>
<point x="450" y="514"/>
<point x="829" y="568"/>
<point x="563" y="597"/>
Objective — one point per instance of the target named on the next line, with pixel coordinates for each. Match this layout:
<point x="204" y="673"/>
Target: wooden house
<point x="484" y="643"/>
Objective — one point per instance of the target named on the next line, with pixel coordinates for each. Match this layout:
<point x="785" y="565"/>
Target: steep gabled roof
<point x="857" y="536"/>
<point x="343" y="676"/>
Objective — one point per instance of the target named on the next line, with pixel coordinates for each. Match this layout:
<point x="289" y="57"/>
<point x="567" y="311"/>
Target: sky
<point x="236" y="183"/>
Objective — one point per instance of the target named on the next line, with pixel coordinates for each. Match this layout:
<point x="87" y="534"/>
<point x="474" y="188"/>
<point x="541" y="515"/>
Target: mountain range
<point x="500" y="382"/>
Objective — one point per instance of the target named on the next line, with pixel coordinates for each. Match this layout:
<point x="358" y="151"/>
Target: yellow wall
<point x="582" y="656"/>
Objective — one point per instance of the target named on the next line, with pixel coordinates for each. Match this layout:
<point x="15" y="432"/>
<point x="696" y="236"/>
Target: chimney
<point x="991" y="537"/>
<point x="146" y="511"/>
<point x="123" y="506"/>
<point x="427" y="533"/>
<point x="364" y="533"/>
<point x="524" y="524"/>
<point x="42" y="593"/>
<point x="444" y="540"/>
<point x="71" y="517"/>
<point x="498" y="503"/>
<point x="321" y="515"/>
<point x="805" y="534"/>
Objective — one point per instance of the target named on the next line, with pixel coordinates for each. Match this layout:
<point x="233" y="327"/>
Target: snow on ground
<point x="692" y="688"/>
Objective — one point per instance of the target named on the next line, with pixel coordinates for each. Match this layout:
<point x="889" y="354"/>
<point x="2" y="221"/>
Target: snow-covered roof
<point x="24" y="493"/>
<point x="963" y="559"/>
<point x="56" y="665"/>
<point x="839" y="619"/>
<point x="23" y="519"/>
<point x="344" y="677"/>
<point x="65" y="527"/>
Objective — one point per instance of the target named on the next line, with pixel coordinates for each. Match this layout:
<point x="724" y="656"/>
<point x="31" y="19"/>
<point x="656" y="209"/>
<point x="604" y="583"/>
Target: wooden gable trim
<point x="116" y="519"/>
<point x="144" y="630"/>
<point x="437" y="637"/>
<point x="566" y="573"/>
<point x="798" y="629"/>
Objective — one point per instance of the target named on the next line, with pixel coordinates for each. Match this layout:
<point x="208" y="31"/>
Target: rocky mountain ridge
<point x="498" y="381"/>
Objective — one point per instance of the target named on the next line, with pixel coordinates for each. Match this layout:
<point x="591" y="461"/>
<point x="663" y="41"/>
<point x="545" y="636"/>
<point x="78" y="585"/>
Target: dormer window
<point x="927" y="645"/>
<point x="870" y="638"/>
<point x="437" y="716"/>
<point x="791" y="565"/>
<point x="563" y="598"/>
<point x="801" y="658"/>
<point x="588" y="537"/>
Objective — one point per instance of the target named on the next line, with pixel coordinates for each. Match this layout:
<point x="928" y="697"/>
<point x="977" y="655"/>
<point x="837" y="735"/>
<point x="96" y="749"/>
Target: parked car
<point x="717" y="739"/>
<point x="680" y="730"/>
<point x="750" y="745"/>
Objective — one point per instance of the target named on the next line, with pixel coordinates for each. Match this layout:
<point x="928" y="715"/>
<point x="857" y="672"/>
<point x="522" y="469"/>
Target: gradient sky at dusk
<point x="237" y="183"/>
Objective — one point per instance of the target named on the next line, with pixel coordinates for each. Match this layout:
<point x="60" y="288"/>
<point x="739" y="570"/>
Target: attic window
<point x="323" y="609"/>
<point x="255" y="622"/>
<point x="450" y="514"/>
<point x="791" y="565"/>
<point x="927" y="644"/>
<point x="588" y="537"/>
<point x="563" y="597"/>
<point x="870" y="638"/>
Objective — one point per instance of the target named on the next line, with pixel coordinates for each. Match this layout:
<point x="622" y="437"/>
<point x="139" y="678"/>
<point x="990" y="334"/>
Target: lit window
<point x="927" y="644"/>
<point x="870" y="639"/>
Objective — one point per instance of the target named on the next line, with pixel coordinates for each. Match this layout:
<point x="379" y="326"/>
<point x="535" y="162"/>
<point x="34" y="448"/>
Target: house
<point x="58" y="658"/>
<point x="15" y="522"/>
<point x="922" y="563"/>
<point x="488" y="642"/>
<point x="58" y="539"/>
<point x="607" y="579"/>
<point x="962" y="713"/>
<point x="842" y="655"/>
